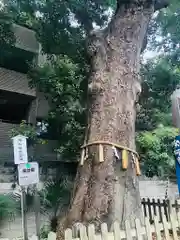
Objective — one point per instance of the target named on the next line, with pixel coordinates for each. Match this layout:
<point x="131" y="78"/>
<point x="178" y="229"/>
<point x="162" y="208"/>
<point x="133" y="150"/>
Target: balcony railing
<point x="15" y="82"/>
<point x="26" y="39"/>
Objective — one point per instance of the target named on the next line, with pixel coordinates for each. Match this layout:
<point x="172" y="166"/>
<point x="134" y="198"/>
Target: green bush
<point x="55" y="196"/>
<point x="44" y="232"/>
<point x="156" y="151"/>
<point x="8" y="207"/>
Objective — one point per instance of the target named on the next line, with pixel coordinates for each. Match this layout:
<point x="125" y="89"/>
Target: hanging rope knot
<point x="125" y="151"/>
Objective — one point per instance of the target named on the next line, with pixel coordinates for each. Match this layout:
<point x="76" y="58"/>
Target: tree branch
<point x="159" y="4"/>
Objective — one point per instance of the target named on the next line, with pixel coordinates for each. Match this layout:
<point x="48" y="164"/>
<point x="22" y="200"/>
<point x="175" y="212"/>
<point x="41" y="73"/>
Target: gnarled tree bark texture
<point x="103" y="192"/>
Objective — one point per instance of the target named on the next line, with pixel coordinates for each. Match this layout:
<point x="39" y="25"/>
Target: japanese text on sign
<point x="20" y="149"/>
<point x="28" y="173"/>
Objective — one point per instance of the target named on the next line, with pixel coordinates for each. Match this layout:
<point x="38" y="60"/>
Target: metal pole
<point x="24" y="214"/>
<point x="37" y="212"/>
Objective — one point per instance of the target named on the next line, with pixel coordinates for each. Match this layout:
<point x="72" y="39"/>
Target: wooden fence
<point x="161" y="222"/>
<point x="159" y="208"/>
<point x="165" y="230"/>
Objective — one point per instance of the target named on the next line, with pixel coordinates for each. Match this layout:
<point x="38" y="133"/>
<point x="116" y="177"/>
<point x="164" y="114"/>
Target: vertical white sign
<point x="20" y="149"/>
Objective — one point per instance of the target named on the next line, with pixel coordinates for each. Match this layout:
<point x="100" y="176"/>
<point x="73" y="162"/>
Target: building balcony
<point x="26" y="39"/>
<point x="41" y="153"/>
<point x="13" y="81"/>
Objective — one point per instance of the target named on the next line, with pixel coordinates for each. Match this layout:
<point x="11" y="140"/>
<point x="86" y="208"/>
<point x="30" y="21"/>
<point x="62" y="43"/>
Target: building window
<point x="13" y="107"/>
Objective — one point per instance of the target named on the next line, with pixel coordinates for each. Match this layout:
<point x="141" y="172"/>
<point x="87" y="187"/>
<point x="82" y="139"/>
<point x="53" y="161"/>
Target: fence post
<point x="165" y="203"/>
<point x="68" y="234"/>
<point x="170" y="207"/>
<point x="160" y="212"/>
<point x="143" y="202"/>
<point x="178" y="212"/>
<point x="154" y="207"/>
<point x="149" y="210"/>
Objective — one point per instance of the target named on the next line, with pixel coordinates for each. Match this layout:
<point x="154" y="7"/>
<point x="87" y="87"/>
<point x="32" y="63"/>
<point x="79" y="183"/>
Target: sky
<point x="149" y="54"/>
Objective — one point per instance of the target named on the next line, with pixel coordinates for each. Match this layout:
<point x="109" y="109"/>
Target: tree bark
<point x="103" y="192"/>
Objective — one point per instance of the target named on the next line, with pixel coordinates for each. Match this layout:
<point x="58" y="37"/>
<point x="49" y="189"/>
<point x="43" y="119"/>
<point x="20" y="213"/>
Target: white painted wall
<point x="157" y="189"/>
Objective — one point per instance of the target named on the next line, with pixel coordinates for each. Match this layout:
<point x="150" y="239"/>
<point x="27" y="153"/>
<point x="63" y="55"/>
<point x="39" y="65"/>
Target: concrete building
<point x="17" y="100"/>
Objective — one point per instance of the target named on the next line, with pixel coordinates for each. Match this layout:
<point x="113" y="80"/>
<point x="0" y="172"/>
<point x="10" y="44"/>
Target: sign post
<point x="28" y="174"/>
<point x="20" y="156"/>
<point x="24" y="212"/>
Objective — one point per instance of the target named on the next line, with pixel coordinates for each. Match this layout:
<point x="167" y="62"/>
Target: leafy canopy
<point x="61" y="28"/>
<point x="156" y="151"/>
<point x="61" y="81"/>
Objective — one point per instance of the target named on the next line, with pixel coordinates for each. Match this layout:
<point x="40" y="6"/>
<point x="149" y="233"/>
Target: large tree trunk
<point x="103" y="192"/>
